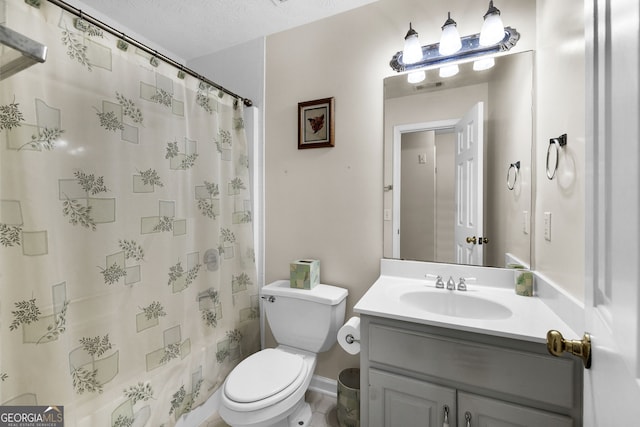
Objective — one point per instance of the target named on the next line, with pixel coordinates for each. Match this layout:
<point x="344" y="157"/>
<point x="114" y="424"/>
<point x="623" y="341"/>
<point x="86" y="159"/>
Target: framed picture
<point x="315" y="123"/>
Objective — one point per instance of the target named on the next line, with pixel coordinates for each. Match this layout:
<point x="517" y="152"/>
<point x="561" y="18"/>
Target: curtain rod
<point x="78" y="12"/>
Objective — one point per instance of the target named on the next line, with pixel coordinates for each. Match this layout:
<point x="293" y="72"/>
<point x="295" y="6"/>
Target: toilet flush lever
<point x="269" y="298"/>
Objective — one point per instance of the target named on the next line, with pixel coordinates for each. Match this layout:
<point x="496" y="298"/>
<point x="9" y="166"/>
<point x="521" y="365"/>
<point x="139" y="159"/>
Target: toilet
<point x="267" y="389"/>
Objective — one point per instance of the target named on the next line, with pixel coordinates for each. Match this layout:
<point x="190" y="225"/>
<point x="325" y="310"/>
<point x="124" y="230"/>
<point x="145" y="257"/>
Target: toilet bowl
<point x="267" y="389"/>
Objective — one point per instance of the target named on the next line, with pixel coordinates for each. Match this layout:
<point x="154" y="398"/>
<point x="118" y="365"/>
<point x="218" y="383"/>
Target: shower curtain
<point x="127" y="269"/>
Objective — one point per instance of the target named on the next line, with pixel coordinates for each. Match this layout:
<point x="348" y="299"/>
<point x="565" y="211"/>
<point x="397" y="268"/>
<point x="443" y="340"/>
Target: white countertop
<point x="531" y="318"/>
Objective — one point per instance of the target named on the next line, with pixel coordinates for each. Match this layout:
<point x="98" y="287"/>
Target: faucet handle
<point x="462" y="285"/>
<point x="451" y="285"/>
<point x="439" y="282"/>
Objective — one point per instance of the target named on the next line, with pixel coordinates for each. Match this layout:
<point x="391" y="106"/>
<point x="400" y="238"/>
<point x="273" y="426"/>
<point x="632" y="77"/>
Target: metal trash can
<point x="348" y="410"/>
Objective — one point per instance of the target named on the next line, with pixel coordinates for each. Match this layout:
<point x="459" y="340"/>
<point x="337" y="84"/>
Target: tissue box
<point x="304" y="273"/>
<point x="524" y="282"/>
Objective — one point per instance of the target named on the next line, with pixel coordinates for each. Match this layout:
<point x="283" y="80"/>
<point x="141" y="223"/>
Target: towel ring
<point x="556" y="143"/>
<point x="516" y="171"/>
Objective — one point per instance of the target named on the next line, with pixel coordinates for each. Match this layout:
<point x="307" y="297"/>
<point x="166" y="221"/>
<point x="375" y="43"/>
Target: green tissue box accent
<point x="524" y="283"/>
<point x="304" y="273"/>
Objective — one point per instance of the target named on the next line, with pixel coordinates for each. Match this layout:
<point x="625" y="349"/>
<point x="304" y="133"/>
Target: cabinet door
<point x="395" y="400"/>
<point x="485" y="412"/>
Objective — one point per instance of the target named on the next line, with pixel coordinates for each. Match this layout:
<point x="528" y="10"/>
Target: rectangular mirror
<point x="457" y="165"/>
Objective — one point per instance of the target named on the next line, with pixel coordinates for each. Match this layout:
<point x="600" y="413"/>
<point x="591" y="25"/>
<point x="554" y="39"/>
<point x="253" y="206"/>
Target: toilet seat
<point x="263" y="379"/>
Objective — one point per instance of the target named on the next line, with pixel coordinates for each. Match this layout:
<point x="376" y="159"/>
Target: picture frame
<point x="316" y="123"/>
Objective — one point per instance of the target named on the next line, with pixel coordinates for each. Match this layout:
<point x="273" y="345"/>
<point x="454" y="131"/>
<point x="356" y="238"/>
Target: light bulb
<point x="449" y="71"/>
<point x="450" y="38"/>
<point x="416" y="76"/>
<point x="483" y="64"/>
<point x="492" y="28"/>
<point x="412" y="51"/>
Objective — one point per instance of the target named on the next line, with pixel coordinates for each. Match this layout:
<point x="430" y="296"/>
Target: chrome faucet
<point x="451" y="285"/>
<point x="462" y="284"/>
<point x="439" y="282"/>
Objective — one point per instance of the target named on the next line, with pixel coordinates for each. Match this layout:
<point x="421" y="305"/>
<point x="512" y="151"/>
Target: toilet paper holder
<point x="349" y="336"/>
<point x="350" y="339"/>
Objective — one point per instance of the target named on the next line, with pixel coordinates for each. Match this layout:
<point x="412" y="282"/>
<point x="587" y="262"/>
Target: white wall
<point x="445" y="217"/>
<point x="417" y="207"/>
<point x="509" y="115"/>
<point x="327" y="203"/>
<point x="560" y="91"/>
<point x="239" y="69"/>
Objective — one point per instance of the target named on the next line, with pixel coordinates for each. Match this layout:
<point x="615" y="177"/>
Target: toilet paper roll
<point x="349" y="336"/>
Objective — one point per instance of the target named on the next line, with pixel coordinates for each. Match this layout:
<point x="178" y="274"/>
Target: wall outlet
<point x="547" y="226"/>
<point x="387" y="214"/>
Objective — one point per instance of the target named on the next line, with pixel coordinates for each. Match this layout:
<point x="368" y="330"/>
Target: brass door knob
<point x="556" y="344"/>
<point x="472" y="240"/>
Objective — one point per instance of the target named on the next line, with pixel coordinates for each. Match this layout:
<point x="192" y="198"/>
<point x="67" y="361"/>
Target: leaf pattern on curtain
<point x="127" y="268"/>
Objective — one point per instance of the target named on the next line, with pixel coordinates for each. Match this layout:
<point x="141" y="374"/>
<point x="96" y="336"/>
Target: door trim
<point x="398" y="130"/>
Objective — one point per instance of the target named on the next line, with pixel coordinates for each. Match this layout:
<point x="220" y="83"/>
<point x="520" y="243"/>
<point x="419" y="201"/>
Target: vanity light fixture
<point x="483" y="63"/>
<point x="449" y="71"/>
<point x="416" y="76"/>
<point x="450" y="39"/>
<point x="493" y="39"/>
<point x="492" y="28"/>
<point x="412" y="51"/>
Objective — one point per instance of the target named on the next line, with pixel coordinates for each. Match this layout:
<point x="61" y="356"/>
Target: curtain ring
<point x="516" y="171"/>
<point x="556" y="143"/>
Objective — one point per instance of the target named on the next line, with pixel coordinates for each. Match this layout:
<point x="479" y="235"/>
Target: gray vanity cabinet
<point x="483" y="411"/>
<point x="411" y="372"/>
<point x="396" y="400"/>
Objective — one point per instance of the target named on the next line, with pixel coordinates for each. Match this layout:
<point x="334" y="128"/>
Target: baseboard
<point x="324" y="385"/>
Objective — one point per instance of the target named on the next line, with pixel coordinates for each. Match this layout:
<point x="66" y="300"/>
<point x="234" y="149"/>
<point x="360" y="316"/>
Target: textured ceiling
<point x="194" y="28"/>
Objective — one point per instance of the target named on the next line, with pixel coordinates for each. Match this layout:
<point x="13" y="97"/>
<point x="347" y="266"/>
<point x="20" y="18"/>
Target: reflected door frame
<point x="398" y="130"/>
<point x="469" y="191"/>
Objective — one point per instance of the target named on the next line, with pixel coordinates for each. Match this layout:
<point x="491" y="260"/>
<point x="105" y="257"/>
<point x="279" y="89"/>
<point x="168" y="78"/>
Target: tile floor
<point x="323" y="407"/>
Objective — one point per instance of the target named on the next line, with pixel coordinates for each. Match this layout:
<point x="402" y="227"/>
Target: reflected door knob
<point x="557" y="345"/>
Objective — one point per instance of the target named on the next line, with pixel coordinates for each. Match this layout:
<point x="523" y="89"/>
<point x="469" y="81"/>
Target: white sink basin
<point x="455" y="304"/>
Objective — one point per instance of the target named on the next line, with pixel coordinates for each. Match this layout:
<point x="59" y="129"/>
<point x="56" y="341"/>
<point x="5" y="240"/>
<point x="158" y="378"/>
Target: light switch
<point x="547" y="226"/>
<point x="422" y="158"/>
<point x="387" y="214"/>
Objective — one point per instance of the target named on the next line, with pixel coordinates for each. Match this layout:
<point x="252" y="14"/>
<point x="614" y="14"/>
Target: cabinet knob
<point x="557" y="345"/>
<point x="445" y="422"/>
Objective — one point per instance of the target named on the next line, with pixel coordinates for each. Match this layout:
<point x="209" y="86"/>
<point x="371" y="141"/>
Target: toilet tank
<point x="304" y="319"/>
